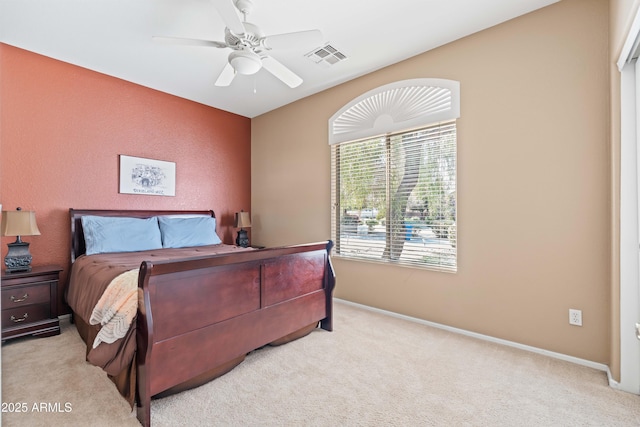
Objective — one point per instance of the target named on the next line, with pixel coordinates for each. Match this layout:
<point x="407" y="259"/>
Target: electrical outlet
<point x="575" y="317"/>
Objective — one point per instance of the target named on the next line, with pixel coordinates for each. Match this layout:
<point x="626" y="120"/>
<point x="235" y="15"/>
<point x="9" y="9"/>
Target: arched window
<point x="393" y="164"/>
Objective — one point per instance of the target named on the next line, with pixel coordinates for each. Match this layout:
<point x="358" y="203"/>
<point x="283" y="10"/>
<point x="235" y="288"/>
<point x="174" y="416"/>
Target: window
<point x="394" y="193"/>
<point x="395" y="197"/>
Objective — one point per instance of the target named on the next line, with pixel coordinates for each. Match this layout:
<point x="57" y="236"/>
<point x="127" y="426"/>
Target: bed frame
<point x="201" y="315"/>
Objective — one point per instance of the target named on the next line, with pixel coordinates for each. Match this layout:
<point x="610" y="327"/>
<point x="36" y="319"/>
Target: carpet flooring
<point x="372" y="370"/>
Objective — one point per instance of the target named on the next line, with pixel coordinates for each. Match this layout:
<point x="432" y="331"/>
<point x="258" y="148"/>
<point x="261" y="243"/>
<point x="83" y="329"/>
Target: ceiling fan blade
<point x="280" y="71"/>
<point x="297" y="40"/>
<point x="190" y="42"/>
<point x="229" y="15"/>
<point x="226" y="76"/>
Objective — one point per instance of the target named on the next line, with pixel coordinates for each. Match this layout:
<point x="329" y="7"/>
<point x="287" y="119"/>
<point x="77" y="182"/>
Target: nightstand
<point x="30" y="302"/>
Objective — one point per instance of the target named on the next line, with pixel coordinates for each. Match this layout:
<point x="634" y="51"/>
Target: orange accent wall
<point x="62" y="128"/>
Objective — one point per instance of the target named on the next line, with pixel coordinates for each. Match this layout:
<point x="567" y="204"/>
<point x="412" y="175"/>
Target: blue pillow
<point x="191" y="231"/>
<point x="120" y="234"/>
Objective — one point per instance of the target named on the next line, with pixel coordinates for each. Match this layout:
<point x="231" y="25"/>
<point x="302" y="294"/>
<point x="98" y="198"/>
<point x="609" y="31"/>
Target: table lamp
<point x="242" y="220"/>
<point x="18" y="223"/>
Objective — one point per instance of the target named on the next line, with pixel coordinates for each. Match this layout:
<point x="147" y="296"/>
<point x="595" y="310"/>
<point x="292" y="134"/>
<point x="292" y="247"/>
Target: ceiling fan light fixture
<point x="245" y="61"/>
<point x="244" y="6"/>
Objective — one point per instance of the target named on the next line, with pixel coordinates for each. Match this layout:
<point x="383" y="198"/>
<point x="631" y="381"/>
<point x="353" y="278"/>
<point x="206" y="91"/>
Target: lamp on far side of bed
<point x="242" y="220"/>
<point x="18" y="223"/>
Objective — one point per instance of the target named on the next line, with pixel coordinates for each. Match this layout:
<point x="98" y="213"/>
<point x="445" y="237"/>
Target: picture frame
<point x="150" y="177"/>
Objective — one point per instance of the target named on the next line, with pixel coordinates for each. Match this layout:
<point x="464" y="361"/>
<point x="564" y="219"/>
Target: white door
<point x="636" y="67"/>
<point x="629" y="227"/>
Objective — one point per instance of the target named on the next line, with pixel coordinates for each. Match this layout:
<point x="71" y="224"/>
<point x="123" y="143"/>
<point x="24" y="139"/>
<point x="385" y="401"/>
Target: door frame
<point x="629" y="210"/>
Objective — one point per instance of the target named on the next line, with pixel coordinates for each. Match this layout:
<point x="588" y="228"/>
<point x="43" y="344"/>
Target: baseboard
<point x="64" y="317"/>
<point x="613" y="383"/>
<point x="560" y="356"/>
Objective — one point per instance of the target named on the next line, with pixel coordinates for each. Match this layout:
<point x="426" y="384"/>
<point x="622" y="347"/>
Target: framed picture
<point x="146" y="176"/>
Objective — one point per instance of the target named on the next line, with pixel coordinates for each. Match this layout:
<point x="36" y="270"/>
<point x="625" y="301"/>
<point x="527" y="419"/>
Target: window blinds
<point x="394" y="198"/>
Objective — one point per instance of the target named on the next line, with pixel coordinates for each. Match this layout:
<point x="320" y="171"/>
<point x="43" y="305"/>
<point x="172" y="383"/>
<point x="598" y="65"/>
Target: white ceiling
<point x="114" y="37"/>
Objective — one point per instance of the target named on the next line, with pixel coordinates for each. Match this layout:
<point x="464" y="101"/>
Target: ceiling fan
<point x="250" y="46"/>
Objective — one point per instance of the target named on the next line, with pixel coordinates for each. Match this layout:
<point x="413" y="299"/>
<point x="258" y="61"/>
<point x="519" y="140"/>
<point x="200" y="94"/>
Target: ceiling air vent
<point x="326" y="55"/>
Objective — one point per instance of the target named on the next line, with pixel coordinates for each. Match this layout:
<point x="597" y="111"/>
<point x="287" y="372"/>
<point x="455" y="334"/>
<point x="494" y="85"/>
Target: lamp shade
<point x="19" y="223"/>
<point x="243" y="219"/>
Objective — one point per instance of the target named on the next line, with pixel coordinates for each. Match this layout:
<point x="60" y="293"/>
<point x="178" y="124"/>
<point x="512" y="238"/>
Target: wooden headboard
<point x="77" y="235"/>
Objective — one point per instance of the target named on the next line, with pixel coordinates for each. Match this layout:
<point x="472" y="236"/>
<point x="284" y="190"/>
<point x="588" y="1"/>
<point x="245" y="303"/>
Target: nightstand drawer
<point x="20" y="316"/>
<point x="25" y="295"/>
<point x="29" y="301"/>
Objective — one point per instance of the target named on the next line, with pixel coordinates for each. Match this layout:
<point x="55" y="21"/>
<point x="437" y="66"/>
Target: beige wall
<point x="621" y="16"/>
<point x="533" y="183"/>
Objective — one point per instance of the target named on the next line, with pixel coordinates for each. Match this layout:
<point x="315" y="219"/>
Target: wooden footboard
<point x="202" y="313"/>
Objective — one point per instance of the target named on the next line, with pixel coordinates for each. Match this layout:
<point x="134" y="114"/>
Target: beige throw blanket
<point x="116" y="308"/>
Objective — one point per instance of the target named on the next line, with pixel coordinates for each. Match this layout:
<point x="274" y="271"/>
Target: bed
<point x="198" y="310"/>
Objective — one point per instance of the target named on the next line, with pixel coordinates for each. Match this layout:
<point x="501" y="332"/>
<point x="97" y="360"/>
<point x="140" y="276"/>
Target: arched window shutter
<point x="397" y="106"/>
